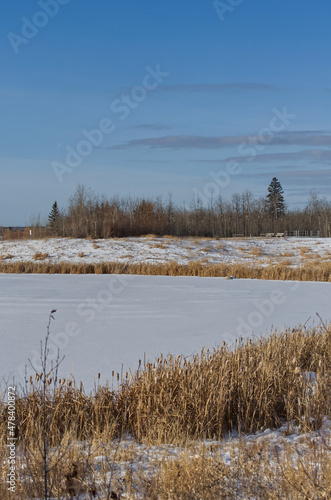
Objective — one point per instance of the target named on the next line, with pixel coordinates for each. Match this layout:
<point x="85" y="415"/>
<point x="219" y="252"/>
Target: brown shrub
<point x="40" y="256"/>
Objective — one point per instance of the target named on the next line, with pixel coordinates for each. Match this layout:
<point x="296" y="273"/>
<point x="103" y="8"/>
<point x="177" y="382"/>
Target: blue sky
<point x="150" y="98"/>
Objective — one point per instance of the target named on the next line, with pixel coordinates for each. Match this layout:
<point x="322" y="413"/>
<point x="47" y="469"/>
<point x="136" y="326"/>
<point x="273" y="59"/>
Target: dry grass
<point x="194" y="473"/>
<point x="6" y="257"/>
<point x="287" y="262"/>
<point x="180" y="400"/>
<point x="250" y="476"/>
<point x="287" y="254"/>
<point x="306" y="253"/>
<point x="149" y="236"/>
<point x="162" y="246"/>
<point x="220" y="246"/>
<point x="174" y="238"/>
<point x="256" y="384"/>
<point x="96" y="246"/>
<point x="326" y="256"/>
<point x="207" y="248"/>
<point x="256" y="251"/>
<point x="40" y="256"/>
<point x="304" y="250"/>
<point x="309" y="271"/>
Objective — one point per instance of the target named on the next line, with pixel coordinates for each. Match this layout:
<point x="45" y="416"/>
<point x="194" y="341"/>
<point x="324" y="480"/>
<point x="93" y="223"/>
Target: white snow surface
<point x="155" y="250"/>
<point x="126" y="456"/>
<point x="289" y="434"/>
<point x="106" y="323"/>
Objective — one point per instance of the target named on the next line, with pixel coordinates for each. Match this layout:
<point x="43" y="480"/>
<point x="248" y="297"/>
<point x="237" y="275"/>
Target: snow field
<point x="153" y="250"/>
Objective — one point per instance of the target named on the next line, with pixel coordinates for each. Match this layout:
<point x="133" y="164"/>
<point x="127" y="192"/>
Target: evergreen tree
<point x="275" y="199"/>
<point x="54" y="219"/>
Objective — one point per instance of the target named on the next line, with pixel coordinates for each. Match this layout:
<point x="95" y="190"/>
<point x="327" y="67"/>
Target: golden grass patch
<point x="305" y="250"/>
<point x="256" y="251"/>
<point x="168" y="237"/>
<point x="208" y="248"/>
<point x="40" y="256"/>
<point x="162" y="246"/>
<point x="287" y="254"/>
<point x="8" y="256"/>
<point x="197" y="239"/>
<point x="287" y="262"/>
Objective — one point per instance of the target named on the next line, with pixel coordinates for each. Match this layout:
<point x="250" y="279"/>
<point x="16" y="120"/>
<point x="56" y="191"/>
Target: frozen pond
<point x="109" y="322"/>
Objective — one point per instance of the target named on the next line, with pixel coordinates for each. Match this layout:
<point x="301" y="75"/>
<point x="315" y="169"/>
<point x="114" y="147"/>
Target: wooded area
<point x="88" y="215"/>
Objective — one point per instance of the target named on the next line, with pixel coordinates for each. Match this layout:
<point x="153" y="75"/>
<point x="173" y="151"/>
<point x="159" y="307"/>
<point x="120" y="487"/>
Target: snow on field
<point x="227" y="450"/>
<point x="126" y="458"/>
<point x="109" y="322"/>
<point x="263" y="251"/>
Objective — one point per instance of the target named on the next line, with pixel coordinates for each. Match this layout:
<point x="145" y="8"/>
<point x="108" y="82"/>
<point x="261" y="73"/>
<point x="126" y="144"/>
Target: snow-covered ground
<point x="277" y="442"/>
<point x="109" y="322"/>
<point x="263" y="251"/>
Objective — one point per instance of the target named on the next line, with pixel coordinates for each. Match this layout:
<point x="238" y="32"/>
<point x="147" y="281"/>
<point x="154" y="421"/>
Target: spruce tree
<point x="275" y="199"/>
<point x="54" y="219"/>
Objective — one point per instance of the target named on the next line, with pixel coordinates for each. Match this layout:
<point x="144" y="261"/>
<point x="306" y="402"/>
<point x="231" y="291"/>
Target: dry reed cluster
<point x="262" y="384"/>
<point x="40" y="256"/>
<point x="310" y="271"/>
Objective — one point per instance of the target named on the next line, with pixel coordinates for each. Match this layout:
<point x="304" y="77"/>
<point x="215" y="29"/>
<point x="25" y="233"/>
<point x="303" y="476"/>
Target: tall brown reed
<point x="253" y="385"/>
<point x="320" y="271"/>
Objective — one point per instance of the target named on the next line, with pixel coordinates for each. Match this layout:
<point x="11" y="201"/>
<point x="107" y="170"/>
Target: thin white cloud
<point x="217" y="87"/>
<point x="303" y="138"/>
<point x="151" y="126"/>
<point x="310" y="155"/>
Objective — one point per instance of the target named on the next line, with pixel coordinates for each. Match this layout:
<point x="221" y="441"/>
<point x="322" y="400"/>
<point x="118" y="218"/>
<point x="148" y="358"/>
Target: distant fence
<point x="300" y="233"/>
<point x="20" y="232"/>
<point x="12" y="232"/>
<point x="23" y="232"/>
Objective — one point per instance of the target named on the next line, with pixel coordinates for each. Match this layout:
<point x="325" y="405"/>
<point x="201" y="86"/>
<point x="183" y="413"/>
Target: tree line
<point x="89" y="215"/>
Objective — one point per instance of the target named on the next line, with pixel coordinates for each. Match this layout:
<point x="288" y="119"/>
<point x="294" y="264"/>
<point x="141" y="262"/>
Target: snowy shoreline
<point x="160" y="250"/>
